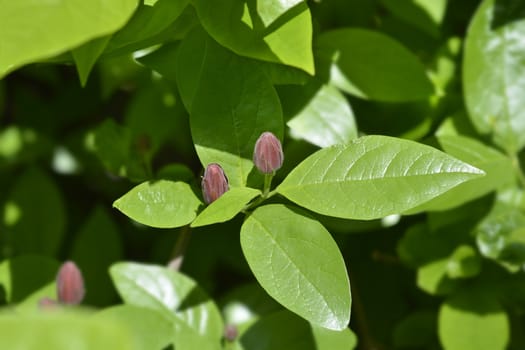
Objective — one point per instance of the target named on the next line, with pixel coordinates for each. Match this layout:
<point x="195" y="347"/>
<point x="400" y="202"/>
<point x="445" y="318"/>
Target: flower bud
<point x="214" y="182"/>
<point x="230" y="332"/>
<point x="268" y="153"/>
<point x="70" y="284"/>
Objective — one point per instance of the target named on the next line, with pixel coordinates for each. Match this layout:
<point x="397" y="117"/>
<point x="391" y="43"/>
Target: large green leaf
<point x="373" y="66"/>
<point x="161" y="203"/>
<point x="94" y="257"/>
<point x="33" y="30"/>
<point x="175" y="296"/>
<point x="226" y="206"/>
<point x="237" y="26"/>
<point x="285" y="250"/>
<point x="34" y="219"/>
<point x="231" y="93"/>
<point x="62" y="331"/>
<point x="149" y="329"/>
<point x="473" y="320"/>
<point x="372" y="177"/>
<point x="320" y="114"/>
<point x="494" y="72"/>
<point x="497" y="167"/>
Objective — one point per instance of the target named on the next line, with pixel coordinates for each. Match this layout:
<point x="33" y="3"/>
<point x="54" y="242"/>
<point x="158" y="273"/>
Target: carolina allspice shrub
<point x="265" y="175"/>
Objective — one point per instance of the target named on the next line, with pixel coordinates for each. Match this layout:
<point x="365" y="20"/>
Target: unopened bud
<point x="268" y="153"/>
<point x="230" y="332"/>
<point x="70" y="284"/>
<point x="214" y="183"/>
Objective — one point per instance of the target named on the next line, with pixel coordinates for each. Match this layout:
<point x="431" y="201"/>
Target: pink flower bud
<point x="230" y="332"/>
<point x="214" y="182"/>
<point x="268" y="153"/>
<point x="70" y="284"/>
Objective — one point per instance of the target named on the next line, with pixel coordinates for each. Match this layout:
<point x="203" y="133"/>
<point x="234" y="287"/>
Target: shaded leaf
<point x="86" y="56"/>
<point x="231" y="93"/>
<point x="371" y="65"/>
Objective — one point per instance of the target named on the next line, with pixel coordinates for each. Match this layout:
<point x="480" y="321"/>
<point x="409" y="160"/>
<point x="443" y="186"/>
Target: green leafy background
<point x="397" y="220"/>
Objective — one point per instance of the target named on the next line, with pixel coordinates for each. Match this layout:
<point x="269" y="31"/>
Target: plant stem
<point x="267" y="184"/>
<point x="177" y="256"/>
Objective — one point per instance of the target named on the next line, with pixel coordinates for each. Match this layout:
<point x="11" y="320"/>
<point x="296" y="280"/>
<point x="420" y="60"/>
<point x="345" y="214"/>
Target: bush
<point x="363" y="186"/>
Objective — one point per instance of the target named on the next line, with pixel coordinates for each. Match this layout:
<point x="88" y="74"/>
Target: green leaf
<point x="34" y="214"/>
<point x="372" y="177"/>
<point x="236" y="25"/>
<point x="231" y="93"/>
<point x="173" y="295"/>
<point x="96" y="246"/>
<point x="464" y="263"/>
<point x="86" y="56"/>
<point x="62" y="331"/>
<point x="149" y="328"/>
<point x="320" y="114"/>
<point x="327" y="339"/>
<point x="497" y="167"/>
<point x="68" y="25"/>
<point x="433" y="278"/>
<point x="473" y="320"/>
<point x="283" y="330"/>
<point x="494" y="73"/>
<point x="425" y="15"/>
<point x="416" y="331"/>
<point x="270" y="10"/>
<point x="371" y="65"/>
<point x="148" y="26"/>
<point x="22" y="275"/>
<point x="162" y="204"/>
<point x="114" y="146"/>
<point x="226" y="207"/>
<point x="285" y="251"/>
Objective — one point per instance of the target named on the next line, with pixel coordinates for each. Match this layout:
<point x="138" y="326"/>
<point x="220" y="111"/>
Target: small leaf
<point x="473" y="319"/>
<point x="286" y="41"/>
<point x="162" y="204"/>
<point x="321" y="115"/>
<point x="150" y="330"/>
<point x="372" y="177"/>
<point x="463" y="263"/>
<point x="86" y="56"/>
<point x="66" y="26"/>
<point x="494" y="73"/>
<point x="173" y="295"/>
<point x="286" y="251"/>
<point x="371" y="65"/>
<point x="416" y="331"/>
<point x="433" y="279"/>
<point x="226" y="206"/>
<point x="425" y="15"/>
